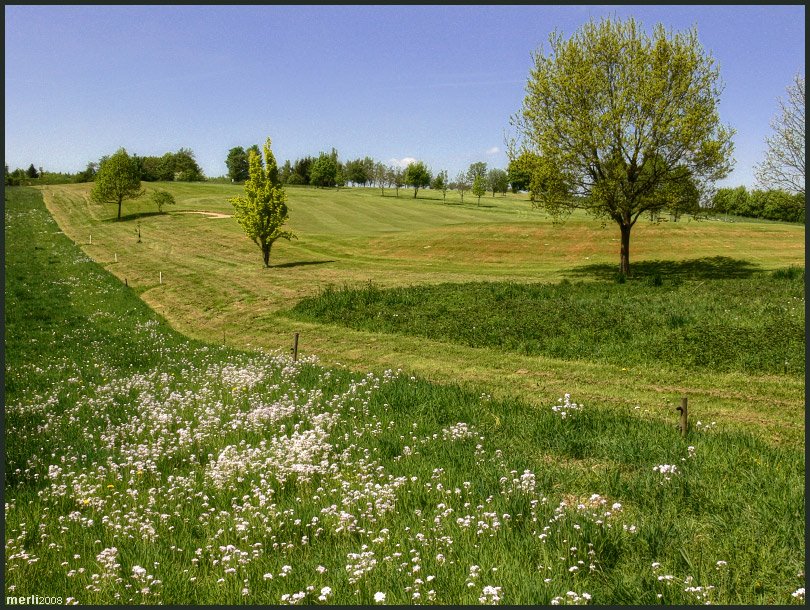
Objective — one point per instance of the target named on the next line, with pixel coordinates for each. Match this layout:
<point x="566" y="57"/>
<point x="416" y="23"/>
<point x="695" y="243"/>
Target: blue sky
<point x="435" y="83"/>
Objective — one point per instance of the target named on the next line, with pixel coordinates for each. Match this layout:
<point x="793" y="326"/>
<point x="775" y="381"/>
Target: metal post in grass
<point x="684" y="424"/>
<point x="294" y="349"/>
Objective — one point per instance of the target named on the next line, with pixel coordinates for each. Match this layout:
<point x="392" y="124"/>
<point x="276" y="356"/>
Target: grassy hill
<point x="206" y="278"/>
<point x="145" y="467"/>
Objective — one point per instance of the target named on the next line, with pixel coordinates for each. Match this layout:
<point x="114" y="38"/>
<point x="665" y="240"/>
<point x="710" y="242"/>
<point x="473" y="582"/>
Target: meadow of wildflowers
<point x="142" y="467"/>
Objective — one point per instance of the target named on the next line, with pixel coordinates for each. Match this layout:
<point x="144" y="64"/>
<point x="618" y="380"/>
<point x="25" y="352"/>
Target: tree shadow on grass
<point x="299" y="264"/>
<point x="708" y="268"/>
<point x="134" y="216"/>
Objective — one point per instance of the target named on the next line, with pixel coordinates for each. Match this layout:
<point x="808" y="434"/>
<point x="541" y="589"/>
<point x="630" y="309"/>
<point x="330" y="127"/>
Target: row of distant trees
<point x="180" y="166"/>
<point x="327" y="170"/>
<point x="774" y="204"/>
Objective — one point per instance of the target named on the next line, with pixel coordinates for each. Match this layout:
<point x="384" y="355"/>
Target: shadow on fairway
<point x="710" y="268"/>
<point x="299" y="264"/>
<point x="136" y="216"/>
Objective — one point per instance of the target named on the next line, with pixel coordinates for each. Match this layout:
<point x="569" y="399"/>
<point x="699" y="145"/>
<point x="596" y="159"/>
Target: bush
<point x="161" y="198"/>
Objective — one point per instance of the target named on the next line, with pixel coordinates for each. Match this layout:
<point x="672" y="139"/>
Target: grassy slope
<point x="214" y="285"/>
<point x="753" y="325"/>
<point x="102" y="390"/>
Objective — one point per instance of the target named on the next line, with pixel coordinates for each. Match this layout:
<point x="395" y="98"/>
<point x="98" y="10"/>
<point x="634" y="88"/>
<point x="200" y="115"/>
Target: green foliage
<point x="324" y="171"/>
<point x="381" y="176"/>
<point x="161" y="198"/>
<point x="462" y="184"/>
<point x="117" y="179"/>
<point x="396" y="178"/>
<point x="440" y="183"/>
<point x="770" y="205"/>
<point x="237" y="163"/>
<point x="416" y="175"/>
<point x="262" y="211"/>
<point x="746" y="325"/>
<point x="521" y="169"/>
<point x="479" y="187"/>
<point x="360" y="171"/>
<point x="186" y="168"/>
<point x="180" y="166"/>
<point x="625" y="121"/>
<point x="286" y="172"/>
<point x="497" y="181"/>
<point x="31" y="172"/>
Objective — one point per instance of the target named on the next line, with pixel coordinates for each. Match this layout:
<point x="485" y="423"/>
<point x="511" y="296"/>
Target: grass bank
<point x="753" y="325"/>
<point x="145" y="467"/>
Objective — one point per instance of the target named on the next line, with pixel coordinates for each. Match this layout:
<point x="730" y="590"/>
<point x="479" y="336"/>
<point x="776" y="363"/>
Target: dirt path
<point x="206" y="214"/>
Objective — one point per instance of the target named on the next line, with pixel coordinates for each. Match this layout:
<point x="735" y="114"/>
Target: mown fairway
<point x="215" y="287"/>
<point x="144" y="467"/>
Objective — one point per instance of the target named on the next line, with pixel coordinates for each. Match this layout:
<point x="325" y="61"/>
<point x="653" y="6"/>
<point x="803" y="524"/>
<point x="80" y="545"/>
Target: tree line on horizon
<point x="327" y="170"/>
<point x="180" y="166"/>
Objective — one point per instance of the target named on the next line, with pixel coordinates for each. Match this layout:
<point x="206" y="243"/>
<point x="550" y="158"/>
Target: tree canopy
<point x="237" y="163"/>
<point x="783" y="166"/>
<point x="262" y="210"/>
<point x="117" y="179"/>
<point x="416" y="175"/>
<point x="620" y="120"/>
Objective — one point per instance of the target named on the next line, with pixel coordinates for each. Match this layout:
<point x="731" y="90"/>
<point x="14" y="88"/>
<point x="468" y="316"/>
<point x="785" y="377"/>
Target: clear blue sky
<point x="435" y="83"/>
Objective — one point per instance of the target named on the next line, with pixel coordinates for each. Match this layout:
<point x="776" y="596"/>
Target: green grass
<point x="753" y="325"/>
<point x="206" y="466"/>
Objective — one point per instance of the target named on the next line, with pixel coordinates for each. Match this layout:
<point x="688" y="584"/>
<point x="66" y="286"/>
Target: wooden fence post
<point x="684" y="423"/>
<point x="295" y="348"/>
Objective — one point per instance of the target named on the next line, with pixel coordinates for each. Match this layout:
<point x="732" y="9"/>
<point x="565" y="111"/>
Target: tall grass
<point x="143" y="467"/>
<point x="751" y="325"/>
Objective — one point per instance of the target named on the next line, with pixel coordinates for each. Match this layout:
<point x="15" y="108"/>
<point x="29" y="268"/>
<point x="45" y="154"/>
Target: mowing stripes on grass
<point x="751" y="325"/>
<point x="146" y="468"/>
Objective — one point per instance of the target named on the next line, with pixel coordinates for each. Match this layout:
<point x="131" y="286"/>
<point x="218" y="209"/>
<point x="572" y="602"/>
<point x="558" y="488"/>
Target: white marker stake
<point x="91" y="239"/>
<point x="116" y="257"/>
<point x="160" y="277"/>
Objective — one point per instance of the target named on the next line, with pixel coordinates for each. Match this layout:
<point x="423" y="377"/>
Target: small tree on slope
<point x="262" y="211"/>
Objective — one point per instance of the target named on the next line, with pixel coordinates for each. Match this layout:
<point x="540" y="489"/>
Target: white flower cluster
<point x="564" y="406"/>
<point x="457" y="432"/>
<point x="572" y="599"/>
<point x="360" y="564"/>
<point x="490" y="596"/>
<point x="667" y="471"/>
<point x="108" y="558"/>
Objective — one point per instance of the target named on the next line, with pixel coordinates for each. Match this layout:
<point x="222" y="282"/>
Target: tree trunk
<point x="415" y="190"/>
<point x="624" y="265"/>
<point x="266" y="253"/>
<point x="120" y="199"/>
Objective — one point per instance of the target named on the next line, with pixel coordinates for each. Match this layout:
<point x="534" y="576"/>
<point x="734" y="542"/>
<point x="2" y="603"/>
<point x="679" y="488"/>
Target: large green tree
<point x="497" y="181"/>
<point x="417" y="175"/>
<point x="621" y="120"/>
<point x="118" y="178"/>
<point x="324" y="171"/>
<point x="237" y="163"/>
<point x="262" y="210"/>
